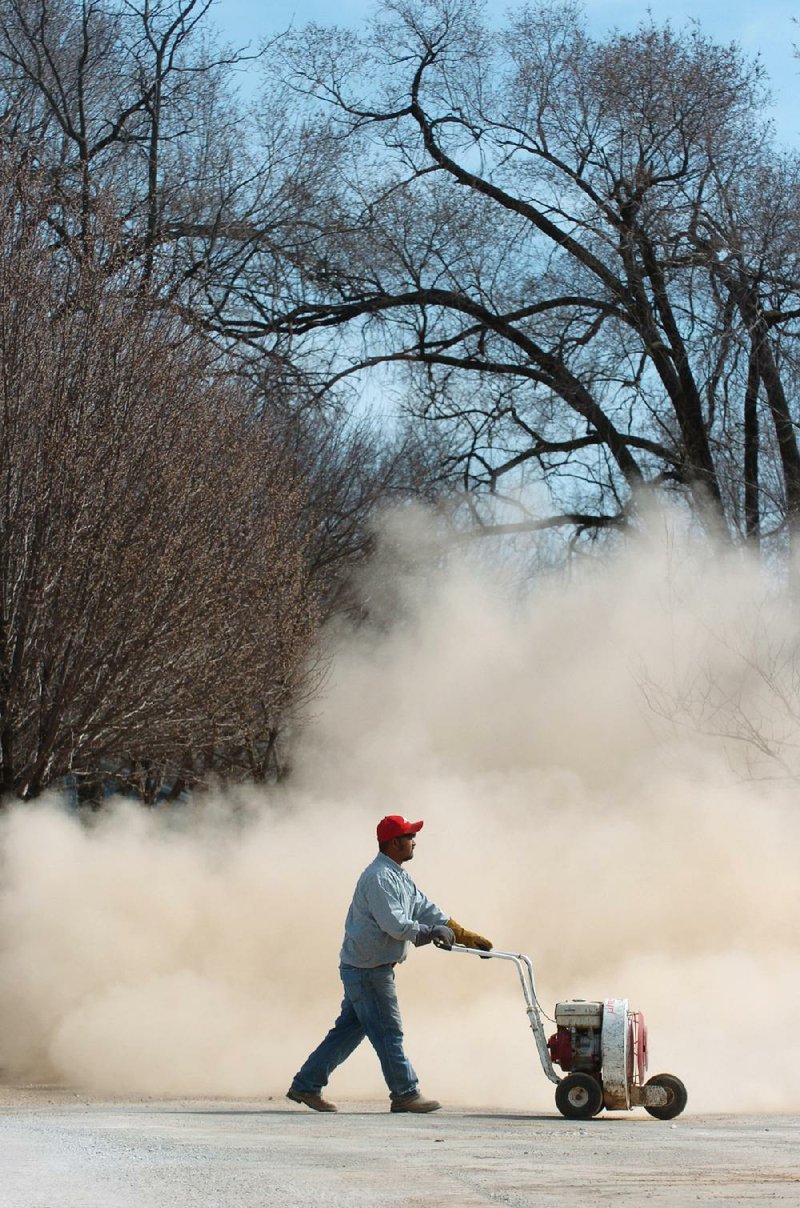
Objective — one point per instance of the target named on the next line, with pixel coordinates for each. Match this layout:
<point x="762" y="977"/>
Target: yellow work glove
<point x="470" y="939"/>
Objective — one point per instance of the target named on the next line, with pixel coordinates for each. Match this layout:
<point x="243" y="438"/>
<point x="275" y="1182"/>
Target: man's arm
<point x="423" y="910"/>
<point x="428" y="913"/>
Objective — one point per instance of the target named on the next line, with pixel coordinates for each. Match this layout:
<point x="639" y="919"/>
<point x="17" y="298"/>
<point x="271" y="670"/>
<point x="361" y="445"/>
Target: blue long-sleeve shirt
<point x="385" y="916"/>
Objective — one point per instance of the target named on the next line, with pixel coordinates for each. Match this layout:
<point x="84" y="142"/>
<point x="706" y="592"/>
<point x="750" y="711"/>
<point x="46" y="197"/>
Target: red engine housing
<point x="561" y="1048"/>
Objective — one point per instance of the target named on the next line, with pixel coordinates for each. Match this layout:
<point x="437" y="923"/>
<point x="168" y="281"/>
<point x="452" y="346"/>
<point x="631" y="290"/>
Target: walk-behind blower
<point x="602" y="1049"/>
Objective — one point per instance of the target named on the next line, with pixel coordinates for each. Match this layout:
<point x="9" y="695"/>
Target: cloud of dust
<point x="604" y="765"/>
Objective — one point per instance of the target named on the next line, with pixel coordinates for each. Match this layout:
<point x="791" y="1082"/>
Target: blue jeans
<point x="369" y="1008"/>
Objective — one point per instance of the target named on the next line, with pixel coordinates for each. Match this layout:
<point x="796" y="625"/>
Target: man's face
<point x="404" y="848"/>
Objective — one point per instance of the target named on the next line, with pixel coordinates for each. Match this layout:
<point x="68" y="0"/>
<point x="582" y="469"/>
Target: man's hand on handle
<point x="470" y="939"/>
<point x="453" y="933"/>
<point x="441" y="936"/>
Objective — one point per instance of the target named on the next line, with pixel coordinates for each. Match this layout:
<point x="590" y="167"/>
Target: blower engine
<point x="602" y="1048"/>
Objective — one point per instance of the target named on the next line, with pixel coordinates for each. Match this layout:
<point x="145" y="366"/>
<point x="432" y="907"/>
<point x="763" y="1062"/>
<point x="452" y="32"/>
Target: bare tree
<point x="551" y="233"/>
<point x="577" y="250"/>
<point x="156" y="614"/>
<point x="138" y="100"/>
<point x="134" y="106"/>
<point x="119" y="97"/>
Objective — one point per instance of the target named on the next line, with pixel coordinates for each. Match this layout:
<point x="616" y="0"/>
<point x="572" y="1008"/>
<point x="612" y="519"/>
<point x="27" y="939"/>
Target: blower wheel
<point x="579" y="1097"/>
<point x="676" y="1097"/>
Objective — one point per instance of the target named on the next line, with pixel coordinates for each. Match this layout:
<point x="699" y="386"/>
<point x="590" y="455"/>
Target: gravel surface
<point x="61" y="1149"/>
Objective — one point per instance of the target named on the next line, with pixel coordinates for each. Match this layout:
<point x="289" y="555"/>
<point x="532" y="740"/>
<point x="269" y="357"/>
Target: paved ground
<point x="61" y="1150"/>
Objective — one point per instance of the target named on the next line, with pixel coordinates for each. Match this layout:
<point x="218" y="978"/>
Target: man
<point x="387" y="914"/>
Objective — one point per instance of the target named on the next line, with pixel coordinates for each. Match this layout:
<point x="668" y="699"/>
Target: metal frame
<point x="528" y="983"/>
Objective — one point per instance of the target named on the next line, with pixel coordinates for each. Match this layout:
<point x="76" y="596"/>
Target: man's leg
<point x="373" y="997"/>
<point x="344" y="1037"/>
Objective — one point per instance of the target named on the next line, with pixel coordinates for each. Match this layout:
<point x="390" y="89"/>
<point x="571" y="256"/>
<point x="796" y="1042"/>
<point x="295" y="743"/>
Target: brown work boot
<point x="415" y="1103"/>
<point x="311" y="1100"/>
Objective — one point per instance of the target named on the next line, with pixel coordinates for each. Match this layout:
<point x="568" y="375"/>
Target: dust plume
<point x="607" y="764"/>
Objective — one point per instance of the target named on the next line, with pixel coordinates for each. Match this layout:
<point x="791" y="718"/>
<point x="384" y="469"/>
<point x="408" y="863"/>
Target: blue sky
<point x="764" y="28"/>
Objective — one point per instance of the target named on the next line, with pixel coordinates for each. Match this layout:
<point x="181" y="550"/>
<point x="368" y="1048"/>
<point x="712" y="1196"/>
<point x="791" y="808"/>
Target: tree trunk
<point x="752" y="517"/>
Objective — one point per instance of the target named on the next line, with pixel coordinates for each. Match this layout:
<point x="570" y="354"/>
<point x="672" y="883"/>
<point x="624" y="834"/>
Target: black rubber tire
<point x="579" y="1097"/>
<point x="677" y="1096"/>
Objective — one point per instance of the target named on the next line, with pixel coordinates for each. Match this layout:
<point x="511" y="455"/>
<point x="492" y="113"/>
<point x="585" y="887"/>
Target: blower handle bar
<point x="528" y="983"/>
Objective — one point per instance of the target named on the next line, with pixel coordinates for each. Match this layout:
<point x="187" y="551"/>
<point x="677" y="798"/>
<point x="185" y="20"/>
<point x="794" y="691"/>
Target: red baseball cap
<point x="395" y="824"/>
